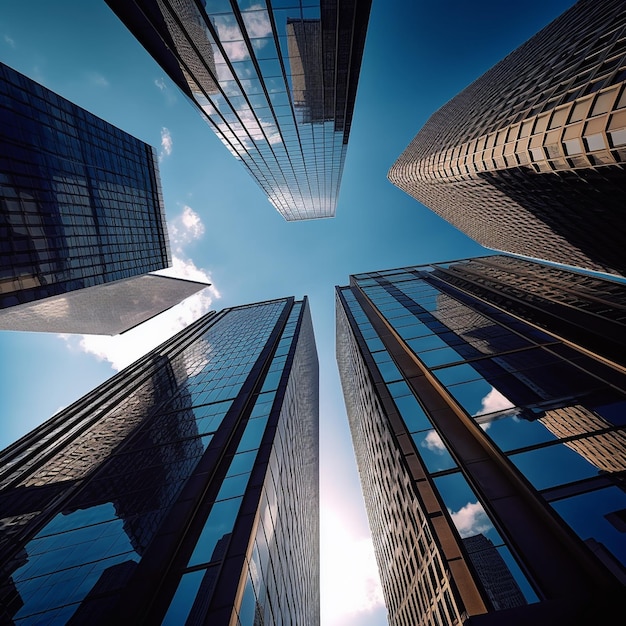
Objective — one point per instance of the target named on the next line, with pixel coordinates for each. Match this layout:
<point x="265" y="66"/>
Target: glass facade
<point x="529" y="158"/>
<point x="80" y="200"/>
<point x="183" y="490"/>
<point x="492" y="451"/>
<point x="108" y="309"/>
<point x="276" y="81"/>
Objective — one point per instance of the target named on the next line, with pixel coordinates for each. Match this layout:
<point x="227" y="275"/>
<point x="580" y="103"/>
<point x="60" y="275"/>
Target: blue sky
<point x="417" y="57"/>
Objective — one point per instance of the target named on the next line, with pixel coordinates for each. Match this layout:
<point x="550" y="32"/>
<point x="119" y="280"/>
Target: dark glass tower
<point x="183" y="490"/>
<point x="529" y="158"/>
<point x="488" y="419"/>
<point x="80" y="210"/>
<point x="276" y="81"/>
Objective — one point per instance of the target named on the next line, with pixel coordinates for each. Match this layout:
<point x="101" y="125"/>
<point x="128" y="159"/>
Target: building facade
<point x="80" y="209"/>
<point x="490" y="439"/>
<point x="184" y="490"/>
<point x="107" y="309"/>
<point x="529" y="158"/>
<point x="276" y="81"/>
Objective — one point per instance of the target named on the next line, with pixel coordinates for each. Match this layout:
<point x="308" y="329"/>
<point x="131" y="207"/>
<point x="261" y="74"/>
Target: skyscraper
<point x="490" y="439"/>
<point x="184" y="488"/>
<point x="529" y="158"/>
<point x="80" y="207"/>
<point x="276" y="83"/>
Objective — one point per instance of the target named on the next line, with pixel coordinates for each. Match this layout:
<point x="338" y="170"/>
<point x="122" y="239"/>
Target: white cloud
<point x="494" y="401"/>
<point x="471" y="520"/>
<point x="257" y="21"/>
<point x="186" y="268"/>
<point x="97" y="80"/>
<point x="122" y="350"/>
<point x="168" y="94"/>
<point x="434" y="443"/>
<point x="349" y="576"/>
<point x="258" y="25"/>
<point x="166" y="143"/>
<point x="193" y="224"/>
<point x="185" y="228"/>
<point x="9" y="40"/>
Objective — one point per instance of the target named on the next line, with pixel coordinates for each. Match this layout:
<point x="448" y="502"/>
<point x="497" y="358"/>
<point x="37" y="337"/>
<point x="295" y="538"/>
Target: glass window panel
<point x="598" y="516"/>
<point x="441" y="356"/>
<point x="233" y="486"/>
<point x="389" y="371"/>
<point x="257" y="21"/>
<point x="243" y="69"/>
<point x="553" y="465"/>
<point x="252" y="86"/>
<point x="375" y="344"/>
<point x="433" y="451"/>
<point x="468" y="515"/>
<point x="264" y="48"/>
<point x="242" y="463"/>
<point x="263" y="404"/>
<point x="227" y="27"/>
<point x="252" y="435"/>
<point x="614" y="413"/>
<point x="480" y="398"/>
<point x="219" y="523"/>
<point x="217" y="6"/>
<point x="514" y="431"/>
<point x="457" y="374"/>
<point x="271" y="68"/>
<point x="286" y="4"/>
<point x="595" y="142"/>
<point x="248" y="604"/>
<point x="429" y="342"/>
<point x="412" y="413"/>
<point x="399" y="389"/>
<point x="413" y="330"/>
<point x="514" y="569"/>
<point x="311" y="13"/>
<point x="183" y="598"/>
<point x="271" y="381"/>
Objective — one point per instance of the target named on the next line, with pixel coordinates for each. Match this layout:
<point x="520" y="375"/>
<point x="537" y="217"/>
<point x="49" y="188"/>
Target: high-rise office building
<point x="529" y="158"/>
<point x="490" y="439"/>
<point x="276" y="82"/>
<point x="80" y="206"/>
<point x="182" y="490"/>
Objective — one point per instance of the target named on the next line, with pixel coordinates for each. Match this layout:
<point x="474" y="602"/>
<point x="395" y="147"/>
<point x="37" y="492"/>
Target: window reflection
<point x="311" y="114"/>
<point x="216" y="531"/>
<point x="600" y="518"/>
<point x="433" y="451"/>
<point x="183" y="598"/>
<point x="514" y="431"/>
<point x="92" y="543"/>
<point x="553" y="465"/>
<point x="491" y="558"/>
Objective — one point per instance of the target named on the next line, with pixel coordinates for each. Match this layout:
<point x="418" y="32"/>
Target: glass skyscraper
<point x="275" y="79"/>
<point x="529" y="158"/>
<point x="80" y="207"/>
<point x="184" y="490"/>
<point x="488" y="416"/>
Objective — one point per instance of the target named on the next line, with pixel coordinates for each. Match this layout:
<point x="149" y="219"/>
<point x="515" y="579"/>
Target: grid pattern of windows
<point x="509" y="160"/>
<point x="279" y="589"/>
<point x="417" y="585"/>
<point x="275" y="80"/>
<point x="554" y="414"/>
<point x="80" y="200"/>
<point x="90" y="504"/>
